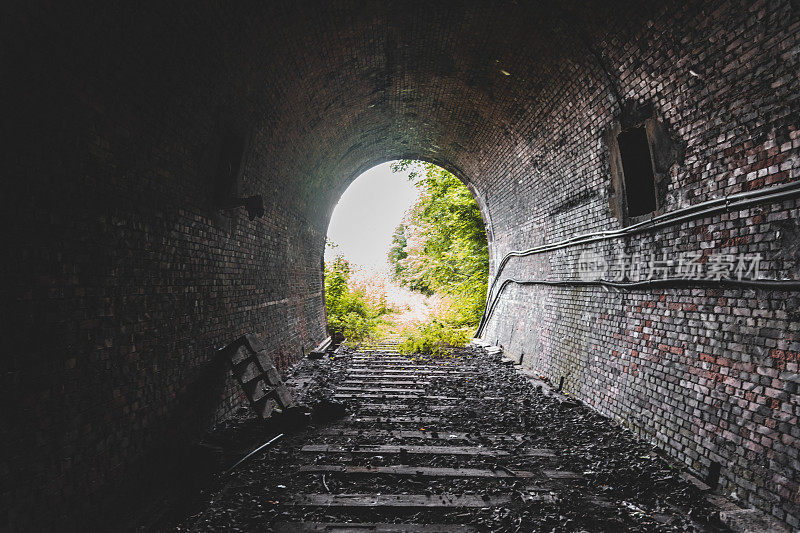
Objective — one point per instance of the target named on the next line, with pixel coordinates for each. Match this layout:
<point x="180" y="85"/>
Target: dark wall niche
<point x="637" y="172"/>
<point x="233" y="145"/>
<point x="641" y="153"/>
<point x="226" y="191"/>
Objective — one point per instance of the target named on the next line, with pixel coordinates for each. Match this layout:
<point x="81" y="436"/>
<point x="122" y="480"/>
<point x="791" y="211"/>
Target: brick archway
<point x="127" y="274"/>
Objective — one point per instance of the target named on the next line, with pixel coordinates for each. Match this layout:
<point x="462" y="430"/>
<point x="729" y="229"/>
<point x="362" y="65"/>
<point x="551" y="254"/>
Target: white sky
<point x="368" y="213"/>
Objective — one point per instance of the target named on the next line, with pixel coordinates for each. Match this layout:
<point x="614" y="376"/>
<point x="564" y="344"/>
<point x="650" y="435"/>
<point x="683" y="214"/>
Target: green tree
<point x="397" y="251"/>
<point x="349" y="311"/>
<point x="442" y="246"/>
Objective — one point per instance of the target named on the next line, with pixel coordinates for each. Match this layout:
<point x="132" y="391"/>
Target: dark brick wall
<point x="123" y="278"/>
<point x="710" y="375"/>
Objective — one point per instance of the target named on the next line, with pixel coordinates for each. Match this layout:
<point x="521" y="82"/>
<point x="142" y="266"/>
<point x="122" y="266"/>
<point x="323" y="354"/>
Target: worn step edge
<point x="348" y="396"/>
<point x="422" y="434"/>
<point x="404" y="408"/>
<point x="380" y="390"/>
<point x="369" y="527"/>
<point x="400" y="470"/>
<point x="397" y="419"/>
<point x="403" y="383"/>
<point x="415" y="501"/>
<point x="392" y="449"/>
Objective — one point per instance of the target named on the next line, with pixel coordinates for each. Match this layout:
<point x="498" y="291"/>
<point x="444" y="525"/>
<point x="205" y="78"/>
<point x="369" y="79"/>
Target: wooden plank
<point x="414" y="501"/>
<point x="394" y="396"/>
<point x="283" y="396"/>
<point x="405" y="434"/>
<point x="369" y="527"/>
<point x="272" y="375"/>
<point x="392" y="376"/>
<point x="256" y="389"/>
<point x="239" y="355"/>
<point x="422" y="434"/>
<point x="382" y="358"/>
<point x="406" y="501"/>
<point x="535" y="452"/>
<point x="355" y="396"/>
<point x="354" y="372"/>
<point x="398" y="366"/>
<point x="416" y="471"/>
<point x="248" y="370"/>
<point x="561" y="474"/>
<point x="400" y="408"/>
<point x="393" y="449"/>
<point x="398" y="419"/>
<point x="411" y="365"/>
<point x="381" y="390"/>
<point x="384" y="382"/>
<point x="265" y="406"/>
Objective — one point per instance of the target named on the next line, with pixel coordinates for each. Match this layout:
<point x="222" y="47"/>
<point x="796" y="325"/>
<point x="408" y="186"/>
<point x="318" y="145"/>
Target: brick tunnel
<point x="137" y="134"/>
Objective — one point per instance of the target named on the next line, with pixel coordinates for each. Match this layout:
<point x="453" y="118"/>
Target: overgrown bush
<point x="350" y="312"/>
<point x="441" y="248"/>
<point x="433" y="338"/>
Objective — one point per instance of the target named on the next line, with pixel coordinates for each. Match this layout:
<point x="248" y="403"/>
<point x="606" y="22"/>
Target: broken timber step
<point x="381" y="390"/>
<point x="420" y="434"/>
<point x="414" y="501"/>
<point x="394" y="377"/>
<point x="397" y="419"/>
<point x="406" y="374"/>
<point x="321" y="349"/>
<point x="384" y="382"/>
<point x="406" y="397"/>
<point x="415" y="396"/>
<point x="352" y="372"/>
<point x="561" y="474"/>
<point x="254" y="370"/>
<point x="403" y="409"/>
<point x="381" y="358"/>
<point x="500" y="473"/>
<point x="404" y="366"/>
<point x="381" y="361"/>
<point x="369" y="527"/>
<point x="392" y="449"/>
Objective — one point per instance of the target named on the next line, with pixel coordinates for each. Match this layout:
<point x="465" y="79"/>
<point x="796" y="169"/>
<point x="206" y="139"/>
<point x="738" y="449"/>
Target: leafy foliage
<point x="397" y="251"/>
<point x="442" y="246"/>
<point x="433" y="338"/>
<point x="349" y="310"/>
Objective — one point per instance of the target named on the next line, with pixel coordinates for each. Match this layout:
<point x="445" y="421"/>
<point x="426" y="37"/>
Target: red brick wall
<point x="710" y="375"/>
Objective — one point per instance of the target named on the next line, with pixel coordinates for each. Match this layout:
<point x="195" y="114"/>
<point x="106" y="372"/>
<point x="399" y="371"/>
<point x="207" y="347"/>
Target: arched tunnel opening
<point x="406" y="259"/>
<point x="170" y="174"/>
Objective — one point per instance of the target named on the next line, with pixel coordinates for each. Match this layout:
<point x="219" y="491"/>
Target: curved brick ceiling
<point x="334" y="88"/>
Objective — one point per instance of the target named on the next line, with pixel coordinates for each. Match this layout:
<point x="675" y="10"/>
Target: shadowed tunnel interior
<point x="132" y="129"/>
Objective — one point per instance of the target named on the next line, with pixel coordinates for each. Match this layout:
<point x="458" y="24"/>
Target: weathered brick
<point x="124" y="278"/>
